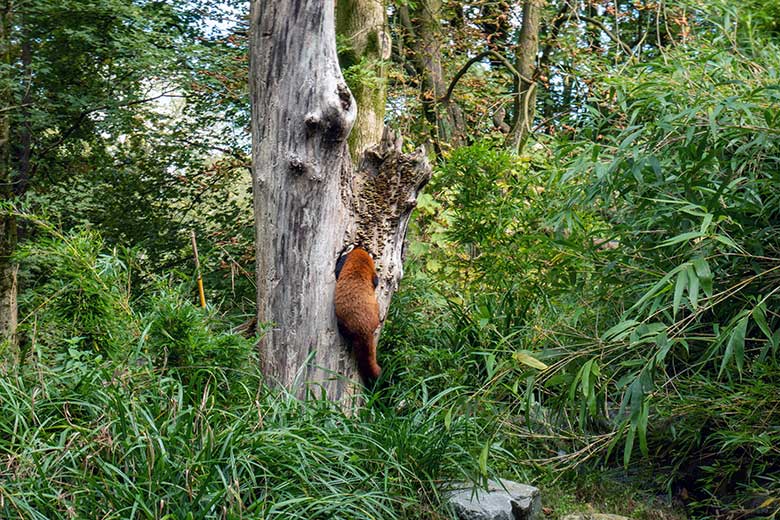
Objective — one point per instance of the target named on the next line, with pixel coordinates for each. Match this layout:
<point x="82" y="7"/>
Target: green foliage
<point x="152" y="408"/>
<point x="80" y="295"/>
<point x="188" y="342"/>
<point x="764" y="17"/>
<point x="681" y="160"/>
<point x="611" y="296"/>
<point x="363" y="75"/>
<point x="360" y="72"/>
<point x="638" y="265"/>
<point x="491" y="221"/>
<point x="453" y="343"/>
<point x="129" y="118"/>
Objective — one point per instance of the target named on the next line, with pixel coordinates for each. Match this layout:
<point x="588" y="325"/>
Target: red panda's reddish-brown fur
<point x="357" y="310"/>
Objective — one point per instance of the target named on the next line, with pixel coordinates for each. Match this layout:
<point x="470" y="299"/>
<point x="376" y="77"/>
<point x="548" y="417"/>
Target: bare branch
<point x="565" y="14"/>
<point x="15" y="107"/>
<point x="462" y="72"/>
<point x="606" y="31"/>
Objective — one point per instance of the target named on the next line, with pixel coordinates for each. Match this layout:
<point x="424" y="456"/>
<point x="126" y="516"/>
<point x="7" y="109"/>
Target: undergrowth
<point x="149" y="407"/>
<point x="612" y="296"/>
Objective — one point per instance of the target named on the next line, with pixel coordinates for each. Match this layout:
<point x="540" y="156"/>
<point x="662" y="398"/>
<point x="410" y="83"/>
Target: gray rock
<point x="503" y="500"/>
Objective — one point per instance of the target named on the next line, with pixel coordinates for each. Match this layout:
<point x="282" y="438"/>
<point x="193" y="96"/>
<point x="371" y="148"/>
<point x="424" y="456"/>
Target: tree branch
<point x="15" y="107"/>
<point x="406" y="20"/>
<point x="564" y="15"/>
<point x="557" y="25"/>
<point x="462" y="72"/>
<point x="83" y="115"/>
<point x="606" y="31"/>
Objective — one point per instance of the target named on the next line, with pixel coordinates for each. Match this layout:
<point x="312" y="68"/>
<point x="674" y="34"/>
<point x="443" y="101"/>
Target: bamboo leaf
<point x="683" y="237"/>
<point x="759" y="316"/>
<point x="726" y="357"/>
<point x="585" y="387"/>
<point x="483" y="456"/>
<point x="663" y="344"/>
<point x="738" y="339"/>
<point x="574" y="384"/>
<point x="629" y="445"/>
<point x="592" y="398"/>
<point x="490" y="365"/>
<point x="705" y="223"/>
<point x="525" y="357"/>
<point x="679" y="287"/>
<point x="693" y="287"/>
<point x="735" y="345"/>
<point x="704" y="273"/>
<point x="726" y="241"/>
<point x="657" y="287"/>
<point x="642" y="428"/>
<point x="619" y="331"/>
<point x="631" y="137"/>
<point x="594" y="370"/>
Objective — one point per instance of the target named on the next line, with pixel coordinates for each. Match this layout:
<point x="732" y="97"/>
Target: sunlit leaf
<point x="683" y="237"/>
<point x="483" y="457"/>
<point x="525" y="357"/>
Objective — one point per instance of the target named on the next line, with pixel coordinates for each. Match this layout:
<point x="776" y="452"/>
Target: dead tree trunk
<point x="310" y="203"/>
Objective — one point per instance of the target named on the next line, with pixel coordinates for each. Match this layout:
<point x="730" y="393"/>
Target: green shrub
<point x="75" y="294"/>
<point x="192" y="343"/>
<point x="489" y="220"/>
<point x="681" y="159"/>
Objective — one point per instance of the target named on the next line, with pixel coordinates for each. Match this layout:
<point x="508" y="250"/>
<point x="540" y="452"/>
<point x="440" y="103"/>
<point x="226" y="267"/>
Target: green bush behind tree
<point x="638" y="259"/>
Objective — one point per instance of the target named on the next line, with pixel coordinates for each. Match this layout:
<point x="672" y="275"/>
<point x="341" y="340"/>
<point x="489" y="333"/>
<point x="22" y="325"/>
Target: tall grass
<point x="84" y="442"/>
<point x="162" y="413"/>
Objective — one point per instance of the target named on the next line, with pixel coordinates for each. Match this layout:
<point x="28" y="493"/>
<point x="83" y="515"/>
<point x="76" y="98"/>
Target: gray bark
<point x="309" y="201"/>
<point x="422" y="26"/>
<point x="526" y="62"/>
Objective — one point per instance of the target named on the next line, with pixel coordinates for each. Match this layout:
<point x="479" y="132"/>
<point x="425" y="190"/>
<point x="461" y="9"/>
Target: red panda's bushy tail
<point x="365" y="353"/>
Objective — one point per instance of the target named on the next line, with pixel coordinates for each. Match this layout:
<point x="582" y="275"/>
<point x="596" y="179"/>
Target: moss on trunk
<point x="364" y="45"/>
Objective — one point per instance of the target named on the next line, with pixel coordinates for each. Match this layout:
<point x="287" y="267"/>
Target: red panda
<point x="357" y="310"/>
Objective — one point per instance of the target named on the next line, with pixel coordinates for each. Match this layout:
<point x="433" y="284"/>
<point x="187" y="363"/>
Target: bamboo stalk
<point x="201" y="294"/>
